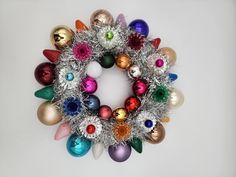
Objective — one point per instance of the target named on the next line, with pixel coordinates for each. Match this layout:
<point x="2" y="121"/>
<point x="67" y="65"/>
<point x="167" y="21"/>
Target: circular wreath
<point x="70" y="84"/>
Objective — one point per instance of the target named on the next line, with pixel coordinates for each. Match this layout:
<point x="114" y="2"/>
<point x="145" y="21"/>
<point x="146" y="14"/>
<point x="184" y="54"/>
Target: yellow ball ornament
<point x="123" y="61"/>
<point x="48" y="113"/>
<point x="61" y="36"/>
<point x="120" y="114"/>
<point x="170" y="53"/>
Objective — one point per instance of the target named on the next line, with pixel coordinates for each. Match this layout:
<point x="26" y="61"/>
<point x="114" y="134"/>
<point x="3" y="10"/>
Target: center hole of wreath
<point x="113" y="87"/>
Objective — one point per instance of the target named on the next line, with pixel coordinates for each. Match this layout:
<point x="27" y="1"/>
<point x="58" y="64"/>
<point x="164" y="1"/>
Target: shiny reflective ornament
<point x="123" y="61"/>
<point x="165" y="119"/>
<point x="176" y="98"/>
<point x="105" y="112"/>
<point x="134" y="72"/>
<point x="94" y="69"/>
<point x="52" y="55"/>
<point x="170" y="53"/>
<point x="89" y="85"/>
<point x="173" y="77"/>
<point x="120" y="114"/>
<point x="100" y="18"/>
<point x="140" y="87"/>
<point x="121" y="20"/>
<point x="107" y="60"/>
<point x="132" y="103"/>
<point x="62" y="131"/>
<point x="140" y="26"/>
<point x="120" y="152"/>
<point x="48" y="114"/>
<point x="80" y="26"/>
<point x="61" y="36"/>
<point x="156" y="135"/>
<point x="78" y="146"/>
<point x="92" y="102"/>
<point x="137" y="144"/>
<point x="97" y="150"/>
<point x="45" y="93"/>
<point x="156" y="42"/>
<point x="44" y="73"/>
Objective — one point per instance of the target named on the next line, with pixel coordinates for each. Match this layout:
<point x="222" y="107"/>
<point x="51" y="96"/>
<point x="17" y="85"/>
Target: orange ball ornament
<point x="121" y="131"/>
<point x="123" y="61"/>
<point x="132" y="103"/>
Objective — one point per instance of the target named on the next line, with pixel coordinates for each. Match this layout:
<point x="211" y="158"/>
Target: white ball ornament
<point x="176" y="98"/>
<point x="94" y="69"/>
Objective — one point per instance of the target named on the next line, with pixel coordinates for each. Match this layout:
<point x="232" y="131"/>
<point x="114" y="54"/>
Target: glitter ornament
<point x="160" y="94"/>
<point x="82" y="51"/>
<point x="135" y="41"/>
<point x="89" y="85"/>
<point x="140" y="26"/>
<point x="72" y="106"/>
<point x="44" y="73"/>
<point x="121" y="131"/>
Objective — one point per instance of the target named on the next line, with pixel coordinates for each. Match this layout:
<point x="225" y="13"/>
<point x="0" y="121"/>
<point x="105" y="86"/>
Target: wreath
<point x="70" y="83"/>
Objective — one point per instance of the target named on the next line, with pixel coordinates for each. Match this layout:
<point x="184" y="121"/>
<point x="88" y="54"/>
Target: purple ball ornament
<point x="89" y="85"/>
<point x="120" y="152"/>
<point x="140" y="26"/>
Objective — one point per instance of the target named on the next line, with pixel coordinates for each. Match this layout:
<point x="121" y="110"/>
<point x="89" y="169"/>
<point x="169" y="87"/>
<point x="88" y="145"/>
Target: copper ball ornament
<point x="100" y="18"/>
<point x="61" y="36"/>
<point x="123" y="61"/>
<point x="120" y="114"/>
<point x="170" y="53"/>
<point x="48" y="113"/>
<point x="156" y="135"/>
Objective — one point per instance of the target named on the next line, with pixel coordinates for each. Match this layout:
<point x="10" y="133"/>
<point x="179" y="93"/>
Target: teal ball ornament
<point x="78" y="146"/>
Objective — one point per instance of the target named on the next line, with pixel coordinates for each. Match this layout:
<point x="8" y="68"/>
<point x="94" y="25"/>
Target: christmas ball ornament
<point x="92" y="102"/>
<point x="120" y="152"/>
<point x="48" y="114"/>
<point x="89" y="85"/>
<point x="107" y="60"/>
<point x="94" y="69"/>
<point x="69" y="79"/>
<point x="120" y="114"/>
<point x="140" y="87"/>
<point x="169" y="52"/>
<point x="105" y="112"/>
<point x="132" y="103"/>
<point x="123" y="61"/>
<point x="44" y="73"/>
<point x="176" y="98"/>
<point x="140" y="26"/>
<point x="156" y="135"/>
<point x="100" y="18"/>
<point x="78" y="146"/>
<point x="61" y="36"/>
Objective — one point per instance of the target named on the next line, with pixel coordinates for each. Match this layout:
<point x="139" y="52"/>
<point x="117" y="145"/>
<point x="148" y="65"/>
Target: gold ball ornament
<point x="170" y="53"/>
<point x="120" y="114"/>
<point x="123" y="61"/>
<point x="100" y="18"/>
<point x="156" y="135"/>
<point x="165" y="119"/>
<point x="61" y="36"/>
<point x="48" y="113"/>
<point x="176" y="98"/>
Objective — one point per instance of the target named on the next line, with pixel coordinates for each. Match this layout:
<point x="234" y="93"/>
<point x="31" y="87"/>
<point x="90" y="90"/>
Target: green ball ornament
<point x="46" y="93"/>
<point x="107" y="60"/>
<point x="137" y="144"/>
<point x="160" y="94"/>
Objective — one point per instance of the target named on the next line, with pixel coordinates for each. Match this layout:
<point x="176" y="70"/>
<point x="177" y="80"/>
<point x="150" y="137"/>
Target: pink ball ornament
<point x="105" y="112"/>
<point x="140" y="87"/>
<point x="89" y="85"/>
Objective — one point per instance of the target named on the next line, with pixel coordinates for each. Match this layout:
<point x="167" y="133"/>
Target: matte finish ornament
<point x="52" y="55"/>
<point x="137" y="144"/>
<point x="120" y="152"/>
<point x="140" y="26"/>
<point x="44" y="73"/>
<point x="156" y="135"/>
<point x="121" y="20"/>
<point x="62" y="131"/>
<point x="48" y="114"/>
<point x="78" y="146"/>
<point x="46" y="93"/>
<point x="61" y="36"/>
<point x="80" y="26"/>
<point x="97" y="150"/>
<point x="94" y="69"/>
<point x="101" y="18"/>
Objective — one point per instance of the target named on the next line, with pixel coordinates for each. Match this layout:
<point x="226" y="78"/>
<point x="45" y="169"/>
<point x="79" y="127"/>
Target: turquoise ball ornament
<point x="78" y="146"/>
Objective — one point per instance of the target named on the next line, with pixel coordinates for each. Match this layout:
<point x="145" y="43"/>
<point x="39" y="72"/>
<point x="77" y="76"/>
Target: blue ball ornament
<point x="92" y="102"/>
<point x="78" y="146"/>
<point x="140" y="26"/>
<point x="173" y="77"/>
<point x="148" y="123"/>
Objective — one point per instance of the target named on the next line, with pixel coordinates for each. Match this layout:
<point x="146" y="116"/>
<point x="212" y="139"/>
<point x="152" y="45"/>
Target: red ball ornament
<point x="140" y="87"/>
<point x="105" y="112"/>
<point x="132" y="103"/>
<point x="44" y="73"/>
<point x="90" y="129"/>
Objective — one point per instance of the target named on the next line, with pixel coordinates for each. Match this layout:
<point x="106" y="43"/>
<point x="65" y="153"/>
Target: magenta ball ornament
<point x="120" y="152"/>
<point x="140" y="87"/>
<point x="89" y="85"/>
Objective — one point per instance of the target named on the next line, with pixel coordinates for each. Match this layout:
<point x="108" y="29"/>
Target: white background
<point x="200" y="140"/>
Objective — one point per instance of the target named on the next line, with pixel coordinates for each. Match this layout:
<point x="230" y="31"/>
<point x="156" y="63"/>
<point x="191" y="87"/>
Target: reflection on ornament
<point x="169" y="52"/>
<point x="100" y="18"/>
<point x="156" y="135"/>
<point x="120" y="152"/>
<point x="176" y="98"/>
<point x="120" y="114"/>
